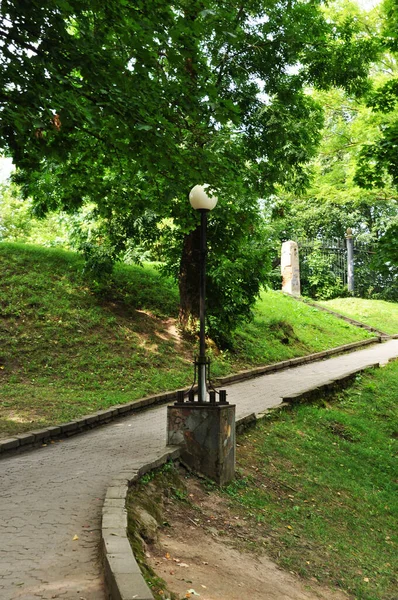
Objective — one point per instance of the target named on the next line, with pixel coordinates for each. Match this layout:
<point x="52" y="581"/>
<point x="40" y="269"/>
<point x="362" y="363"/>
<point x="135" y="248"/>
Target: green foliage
<point x="378" y="160"/>
<point x="17" y="223"/>
<point x="318" y="279"/>
<point x="127" y="105"/>
<point x="238" y="265"/>
<point x="335" y="201"/>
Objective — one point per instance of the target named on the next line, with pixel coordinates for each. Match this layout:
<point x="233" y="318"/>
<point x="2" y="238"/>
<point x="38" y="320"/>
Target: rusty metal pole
<point x="202" y="375"/>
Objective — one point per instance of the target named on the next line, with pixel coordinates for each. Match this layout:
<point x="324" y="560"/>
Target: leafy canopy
<point x="127" y="105"/>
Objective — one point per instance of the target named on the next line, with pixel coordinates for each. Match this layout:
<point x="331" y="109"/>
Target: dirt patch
<point x="206" y="551"/>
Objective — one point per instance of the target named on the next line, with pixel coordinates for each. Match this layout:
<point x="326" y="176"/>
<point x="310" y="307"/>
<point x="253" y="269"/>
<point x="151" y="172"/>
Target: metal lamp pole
<point x="202" y="376"/>
<point x="203" y="203"/>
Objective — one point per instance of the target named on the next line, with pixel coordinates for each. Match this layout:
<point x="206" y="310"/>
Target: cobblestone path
<point x="53" y="494"/>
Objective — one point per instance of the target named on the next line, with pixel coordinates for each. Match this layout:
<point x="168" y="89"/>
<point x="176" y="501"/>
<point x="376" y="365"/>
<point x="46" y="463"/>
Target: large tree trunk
<point x="189" y="281"/>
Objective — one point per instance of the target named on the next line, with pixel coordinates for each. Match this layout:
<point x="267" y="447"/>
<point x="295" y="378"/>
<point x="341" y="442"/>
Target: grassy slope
<point x="376" y="313"/>
<point x="323" y="481"/>
<point x="65" y="352"/>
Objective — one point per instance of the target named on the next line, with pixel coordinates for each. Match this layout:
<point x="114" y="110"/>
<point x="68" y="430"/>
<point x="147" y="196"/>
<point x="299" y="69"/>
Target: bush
<point x="318" y="279"/>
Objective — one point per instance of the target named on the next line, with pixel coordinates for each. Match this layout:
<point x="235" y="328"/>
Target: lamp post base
<point x="206" y="434"/>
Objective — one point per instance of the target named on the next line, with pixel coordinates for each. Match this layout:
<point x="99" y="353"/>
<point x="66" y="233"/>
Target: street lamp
<point x="204" y="429"/>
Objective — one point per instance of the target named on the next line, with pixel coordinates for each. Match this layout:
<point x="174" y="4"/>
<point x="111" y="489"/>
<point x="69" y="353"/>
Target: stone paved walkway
<point x="50" y="495"/>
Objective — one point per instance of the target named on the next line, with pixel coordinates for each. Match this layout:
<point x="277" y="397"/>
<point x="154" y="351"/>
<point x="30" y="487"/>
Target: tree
<point x="379" y="160"/>
<point x="129" y="104"/>
<point x="334" y="201"/>
<point x="18" y="225"/>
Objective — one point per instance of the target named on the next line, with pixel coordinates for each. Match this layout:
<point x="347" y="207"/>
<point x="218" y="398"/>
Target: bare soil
<point x="204" y="551"/>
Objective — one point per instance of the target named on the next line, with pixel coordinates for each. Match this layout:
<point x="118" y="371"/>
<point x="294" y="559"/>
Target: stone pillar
<point x="290" y="268"/>
<point x="206" y="434"/>
<point x="350" y="260"/>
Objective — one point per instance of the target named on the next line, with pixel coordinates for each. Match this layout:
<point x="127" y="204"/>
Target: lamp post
<point x="203" y="429"/>
<point x="202" y="202"/>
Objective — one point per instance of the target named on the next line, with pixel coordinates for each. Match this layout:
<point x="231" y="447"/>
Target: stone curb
<point x="295" y="362"/>
<point x="36" y="438"/>
<point x="327" y="388"/>
<point x="122" y="574"/>
<point x="123" y="577"/>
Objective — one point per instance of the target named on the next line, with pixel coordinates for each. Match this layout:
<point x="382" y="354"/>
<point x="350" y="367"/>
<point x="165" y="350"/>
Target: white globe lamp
<point x="199" y="198"/>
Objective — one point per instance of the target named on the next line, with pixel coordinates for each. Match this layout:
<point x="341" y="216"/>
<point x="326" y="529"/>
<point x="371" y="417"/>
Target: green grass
<point x="282" y="322"/>
<point x="322" y="482"/>
<point x="376" y="313"/>
<point x="66" y="352"/>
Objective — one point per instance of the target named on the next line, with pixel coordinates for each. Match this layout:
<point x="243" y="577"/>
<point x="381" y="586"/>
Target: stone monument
<point x="290" y="268"/>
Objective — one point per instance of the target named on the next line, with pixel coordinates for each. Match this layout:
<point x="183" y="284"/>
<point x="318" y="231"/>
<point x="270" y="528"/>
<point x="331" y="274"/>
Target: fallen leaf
<point x="366" y="579"/>
<point x="167" y="555"/>
<point x="76" y="537"/>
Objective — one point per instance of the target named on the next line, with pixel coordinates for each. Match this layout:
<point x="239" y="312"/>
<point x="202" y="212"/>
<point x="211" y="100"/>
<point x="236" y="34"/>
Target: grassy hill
<point x="376" y="313"/>
<point x="65" y="351"/>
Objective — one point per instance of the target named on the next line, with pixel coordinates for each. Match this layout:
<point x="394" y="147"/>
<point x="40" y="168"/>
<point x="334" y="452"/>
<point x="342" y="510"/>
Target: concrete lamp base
<point x="206" y="434"/>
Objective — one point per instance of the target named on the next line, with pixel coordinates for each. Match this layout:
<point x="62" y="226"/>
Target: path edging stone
<point x="296" y="362"/>
<point x="36" y="438"/>
<point x="123" y="576"/>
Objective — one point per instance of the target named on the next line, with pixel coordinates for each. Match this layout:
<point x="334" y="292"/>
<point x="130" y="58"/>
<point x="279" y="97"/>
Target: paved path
<point x="50" y="495"/>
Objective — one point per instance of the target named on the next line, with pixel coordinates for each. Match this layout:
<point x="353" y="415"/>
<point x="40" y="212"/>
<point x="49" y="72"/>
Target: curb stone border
<point x="36" y="438"/>
<point x="296" y="362"/>
<point x="123" y="577"/>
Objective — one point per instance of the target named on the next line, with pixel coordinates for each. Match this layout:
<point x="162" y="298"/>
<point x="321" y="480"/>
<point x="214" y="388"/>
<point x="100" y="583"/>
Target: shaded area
<point x="67" y="350"/>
